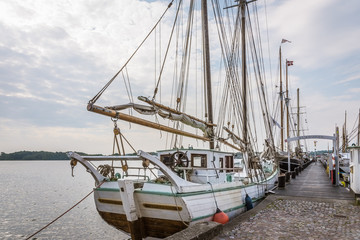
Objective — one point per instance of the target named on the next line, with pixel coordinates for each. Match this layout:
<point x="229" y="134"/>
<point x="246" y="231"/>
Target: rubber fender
<point x="248" y="202"/>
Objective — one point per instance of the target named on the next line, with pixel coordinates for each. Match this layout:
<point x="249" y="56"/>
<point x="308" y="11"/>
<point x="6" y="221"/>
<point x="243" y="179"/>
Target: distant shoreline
<point x="38" y="156"/>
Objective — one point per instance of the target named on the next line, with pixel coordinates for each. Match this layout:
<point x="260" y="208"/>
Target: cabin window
<point x="221" y="160"/>
<point x="166" y="159"/>
<point x="198" y="160"/>
<point x="229" y="162"/>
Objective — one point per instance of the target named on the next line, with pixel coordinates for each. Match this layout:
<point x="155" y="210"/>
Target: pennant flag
<point x="274" y="122"/>
<point x="284" y="41"/>
<point x="290" y="63"/>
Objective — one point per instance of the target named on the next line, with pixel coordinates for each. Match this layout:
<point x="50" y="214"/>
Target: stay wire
<point x="167" y="51"/>
<point x="96" y="97"/>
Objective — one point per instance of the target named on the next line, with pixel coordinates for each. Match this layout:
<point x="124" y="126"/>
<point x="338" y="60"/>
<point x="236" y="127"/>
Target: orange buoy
<point x="220" y="217"/>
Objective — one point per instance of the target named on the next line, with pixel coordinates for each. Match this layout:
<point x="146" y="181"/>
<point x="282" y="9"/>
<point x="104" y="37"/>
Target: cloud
<point x="321" y="31"/>
<point x="55" y="56"/>
<point x="354" y="90"/>
<point x="350" y="79"/>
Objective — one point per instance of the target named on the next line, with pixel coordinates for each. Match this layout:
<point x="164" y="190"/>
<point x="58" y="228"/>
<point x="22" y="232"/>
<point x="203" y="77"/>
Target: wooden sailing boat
<point x="177" y="187"/>
<point x="297" y="156"/>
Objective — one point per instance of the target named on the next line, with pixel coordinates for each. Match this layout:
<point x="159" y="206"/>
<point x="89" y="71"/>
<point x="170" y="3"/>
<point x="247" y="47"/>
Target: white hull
<point x="178" y="210"/>
<point x="146" y="208"/>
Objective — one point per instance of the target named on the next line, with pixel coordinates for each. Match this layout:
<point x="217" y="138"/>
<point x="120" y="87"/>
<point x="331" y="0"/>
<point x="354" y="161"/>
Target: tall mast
<point x="287" y="103"/>
<point x="243" y="71"/>
<point x="298" y="115"/>
<point x="344" y="136"/>
<point x="358" y="136"/>
<point x="207" y="70"/>
<point x="281" y="104"/>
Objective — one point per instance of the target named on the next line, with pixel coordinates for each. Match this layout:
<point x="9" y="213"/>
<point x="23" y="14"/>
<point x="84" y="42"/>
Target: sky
<point x="56" y="55"/>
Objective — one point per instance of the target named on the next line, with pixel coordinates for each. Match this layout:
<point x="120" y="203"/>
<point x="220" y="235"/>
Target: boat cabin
<point x="202" y="166"/>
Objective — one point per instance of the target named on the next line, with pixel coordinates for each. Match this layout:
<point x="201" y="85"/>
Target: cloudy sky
<point x="56" y="55"/>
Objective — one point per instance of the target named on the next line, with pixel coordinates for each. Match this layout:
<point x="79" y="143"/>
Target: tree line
<point x="37" y="155"/>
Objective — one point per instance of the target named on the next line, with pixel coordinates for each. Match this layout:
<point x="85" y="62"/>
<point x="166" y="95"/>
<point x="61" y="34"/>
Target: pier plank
<point x="314" y="182"/>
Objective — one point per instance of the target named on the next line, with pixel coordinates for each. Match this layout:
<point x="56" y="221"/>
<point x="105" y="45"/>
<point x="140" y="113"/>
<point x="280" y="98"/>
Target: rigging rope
<point x="258" y="59"/>
<point x="166" y="53"/>
<point x="47" y="225"/>
<point x="353" y="133"/>
<point x="96" y="97"/>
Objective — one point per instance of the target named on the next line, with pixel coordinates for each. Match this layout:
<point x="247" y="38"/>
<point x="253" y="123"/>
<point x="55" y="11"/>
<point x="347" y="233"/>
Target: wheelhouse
<point x="201" y="165"/>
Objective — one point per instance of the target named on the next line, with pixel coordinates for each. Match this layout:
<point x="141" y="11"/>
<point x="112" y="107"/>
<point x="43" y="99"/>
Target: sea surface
<point x="34" y="193"/>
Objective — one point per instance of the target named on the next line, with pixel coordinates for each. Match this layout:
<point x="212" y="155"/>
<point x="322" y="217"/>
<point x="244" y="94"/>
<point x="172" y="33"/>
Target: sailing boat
<point x="296" y="158"/>
<point x="177" y="187"/>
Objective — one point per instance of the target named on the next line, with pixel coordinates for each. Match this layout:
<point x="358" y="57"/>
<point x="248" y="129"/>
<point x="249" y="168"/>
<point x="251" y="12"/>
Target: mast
<point x="281" y="105"/>
<point x="287" y="103"/>
<point x="298" y="115"/>
<point x="243" y="72"/>
<point x="207" y="70"/>
<point x="358" y="136"/>
<point x="344" y="136"/>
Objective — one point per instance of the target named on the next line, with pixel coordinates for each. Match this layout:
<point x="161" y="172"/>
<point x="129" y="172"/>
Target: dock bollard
<point x="293" y="175"/>
<point x="297" y="171"/>
<point x="281" y="181"/>
<point x="288" y="176"/>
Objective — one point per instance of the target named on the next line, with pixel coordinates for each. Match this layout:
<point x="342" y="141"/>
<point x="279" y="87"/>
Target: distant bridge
<point x="333" y="138"/>
<point x="312" y="137"/>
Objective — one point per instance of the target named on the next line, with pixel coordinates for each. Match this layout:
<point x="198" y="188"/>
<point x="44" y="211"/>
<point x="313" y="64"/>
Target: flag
<point x="274" y="122"/>
<point x="284" y="41"/>
<point x="289" y="63"/>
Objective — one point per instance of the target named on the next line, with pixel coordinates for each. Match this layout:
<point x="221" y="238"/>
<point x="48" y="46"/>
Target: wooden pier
<point x="313" y="182"/>
<point x="309" y="207"/>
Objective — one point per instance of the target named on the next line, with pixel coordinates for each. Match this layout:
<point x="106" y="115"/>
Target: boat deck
<point x="313" y="182"/>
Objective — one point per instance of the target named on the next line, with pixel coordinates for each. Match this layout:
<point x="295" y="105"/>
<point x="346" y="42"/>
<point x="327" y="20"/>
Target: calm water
<point x="33" y="193"/>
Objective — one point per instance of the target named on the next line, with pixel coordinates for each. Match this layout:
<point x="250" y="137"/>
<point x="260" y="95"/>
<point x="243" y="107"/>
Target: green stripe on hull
<point x="107" y="189"/>
<point x="187" y="194"/>
<point x="227" y="210"/>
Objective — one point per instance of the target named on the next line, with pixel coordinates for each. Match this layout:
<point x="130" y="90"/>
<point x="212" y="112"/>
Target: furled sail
<point x="186" y="120"/>
<point x="165" y="113"/>
<point x="142" y="109"/>
<point x="234" y="138"/>
<point x="174" y="115"/>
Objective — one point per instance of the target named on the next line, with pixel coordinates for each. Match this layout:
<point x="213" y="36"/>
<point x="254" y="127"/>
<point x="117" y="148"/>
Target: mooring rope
<point x="64" y="212"/>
